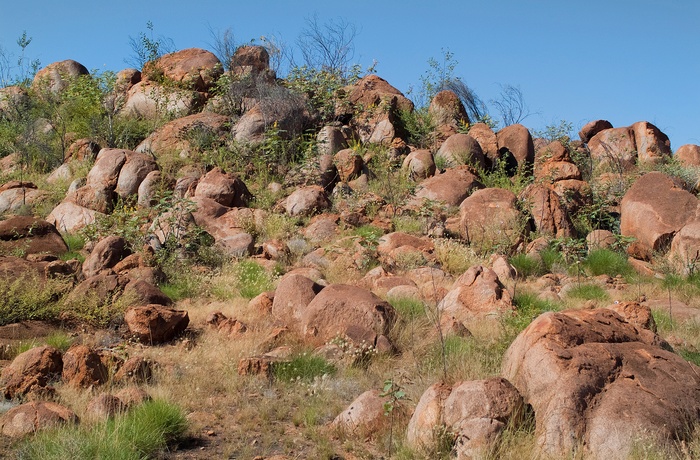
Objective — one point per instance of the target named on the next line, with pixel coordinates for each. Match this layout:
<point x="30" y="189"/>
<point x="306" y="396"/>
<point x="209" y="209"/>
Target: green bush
<point x="303" y="367"/>
<point x="142" y="433"/>
<point x="28" y="298"/>
<point x="607" y="262"/>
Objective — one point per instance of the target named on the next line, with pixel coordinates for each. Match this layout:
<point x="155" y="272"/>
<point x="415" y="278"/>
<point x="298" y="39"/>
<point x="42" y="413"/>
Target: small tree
<point x="146" y="47"/>
<point x="328" y="46"/>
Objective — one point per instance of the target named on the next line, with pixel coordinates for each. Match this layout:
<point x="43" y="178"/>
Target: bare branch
<point x="328" y="46"/>
<point x="511" y="105"/>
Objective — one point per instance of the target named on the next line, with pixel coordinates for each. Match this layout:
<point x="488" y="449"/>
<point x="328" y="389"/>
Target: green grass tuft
<point x="142" y="433"/>
<point x="606" y="262"/>
<point x="588" y="292"/>
<point x="408" y="308"/>
<point x="252" y="279"/>
<point x="303" y="367"/>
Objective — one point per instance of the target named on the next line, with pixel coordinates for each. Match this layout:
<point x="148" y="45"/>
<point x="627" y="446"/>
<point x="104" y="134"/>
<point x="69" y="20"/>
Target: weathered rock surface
<point x="490" y="217"/>
<point x="461" y="149"/>
<point x="70" y="217"/>
<point x="33" y="416"/>
<point x="153" y="324"/>
<point x="83" y="367"/>
<point x="592" y="128"/>
<point x="56" y="76"/>
<point x="292" y="296"/>
<point x="451" y="187"/>
<point x="30" y="236"/>
<point x="193" y="68"/>
<point x="688" y="154"/>
<point x="597" y="381"/>
<point x="477" y="294"/>
<point x="106" y="253"/>
<point x="517" y="140"/>
<point x="419" y="164"/>
<point x="177" y="136"/>
<point x="31" y="371"/>
<point x="475" y="412"/>
<point x="654" y="209"/>
<point x="548" y="212"/>
<point x="364" y="415"/>
<point x="226" y="189"/>
<point x="350" y="312"/>
<point x="306" y="201"/>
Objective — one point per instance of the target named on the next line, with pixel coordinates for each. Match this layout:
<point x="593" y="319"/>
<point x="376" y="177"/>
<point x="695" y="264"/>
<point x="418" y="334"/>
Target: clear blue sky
<point x="622" y="60"/>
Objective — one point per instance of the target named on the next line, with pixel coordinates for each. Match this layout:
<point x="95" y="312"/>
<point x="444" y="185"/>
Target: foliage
<point x="31" y="298"/>
<point x="60" y="340"/>
<point x="305" y="367"/>
<point x="18" y="69"/>
<point x="419" y="127"/>
<point x="527" y="265"/>
<point x="146" y="47"/>
<point x="408" y="308"/>
<point x="440" y="76"/>
<point x="75" y="243"/>
<point x="454" y="257"/>
<point x="502" y="175"/>
<point x="143" y="432"/>
<point x="556" y="132"/>
<point x="320" y="87"/>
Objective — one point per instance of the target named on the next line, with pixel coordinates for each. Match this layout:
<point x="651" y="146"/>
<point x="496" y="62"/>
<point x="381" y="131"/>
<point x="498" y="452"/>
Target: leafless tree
<point x="511" y="105"/>
<point x="223" y="45"/>
<point x="328" y="46"/>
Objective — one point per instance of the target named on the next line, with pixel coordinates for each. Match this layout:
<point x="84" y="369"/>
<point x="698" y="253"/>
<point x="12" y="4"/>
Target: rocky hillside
<point x="312" y="267"/>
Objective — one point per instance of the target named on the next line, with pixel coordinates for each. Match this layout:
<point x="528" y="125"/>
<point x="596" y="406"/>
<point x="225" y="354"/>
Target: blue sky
<point x="622" y="60"/>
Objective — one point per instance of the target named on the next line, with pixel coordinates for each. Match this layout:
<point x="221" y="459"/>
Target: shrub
<point x="30" y="297"/>
<point x="141" y="433"/>
<point x="606" y="262"/>
<point x="304" y="367"/>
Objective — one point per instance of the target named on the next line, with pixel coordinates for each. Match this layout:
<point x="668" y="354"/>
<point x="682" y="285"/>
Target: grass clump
<point x="454" y="257"/>
<point x="252" y="279"/>
<point x="526" y="265"/>
<point x="139" y="434"/>
<point x="303" y="367"/>
<point x="408" y="308"/>
<point x="588" y="292"/>
<point x="607" y="262"/>
<point x="60" y="340"/>
<point x="528" y="307"/>
<point x="75" y="243"/>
